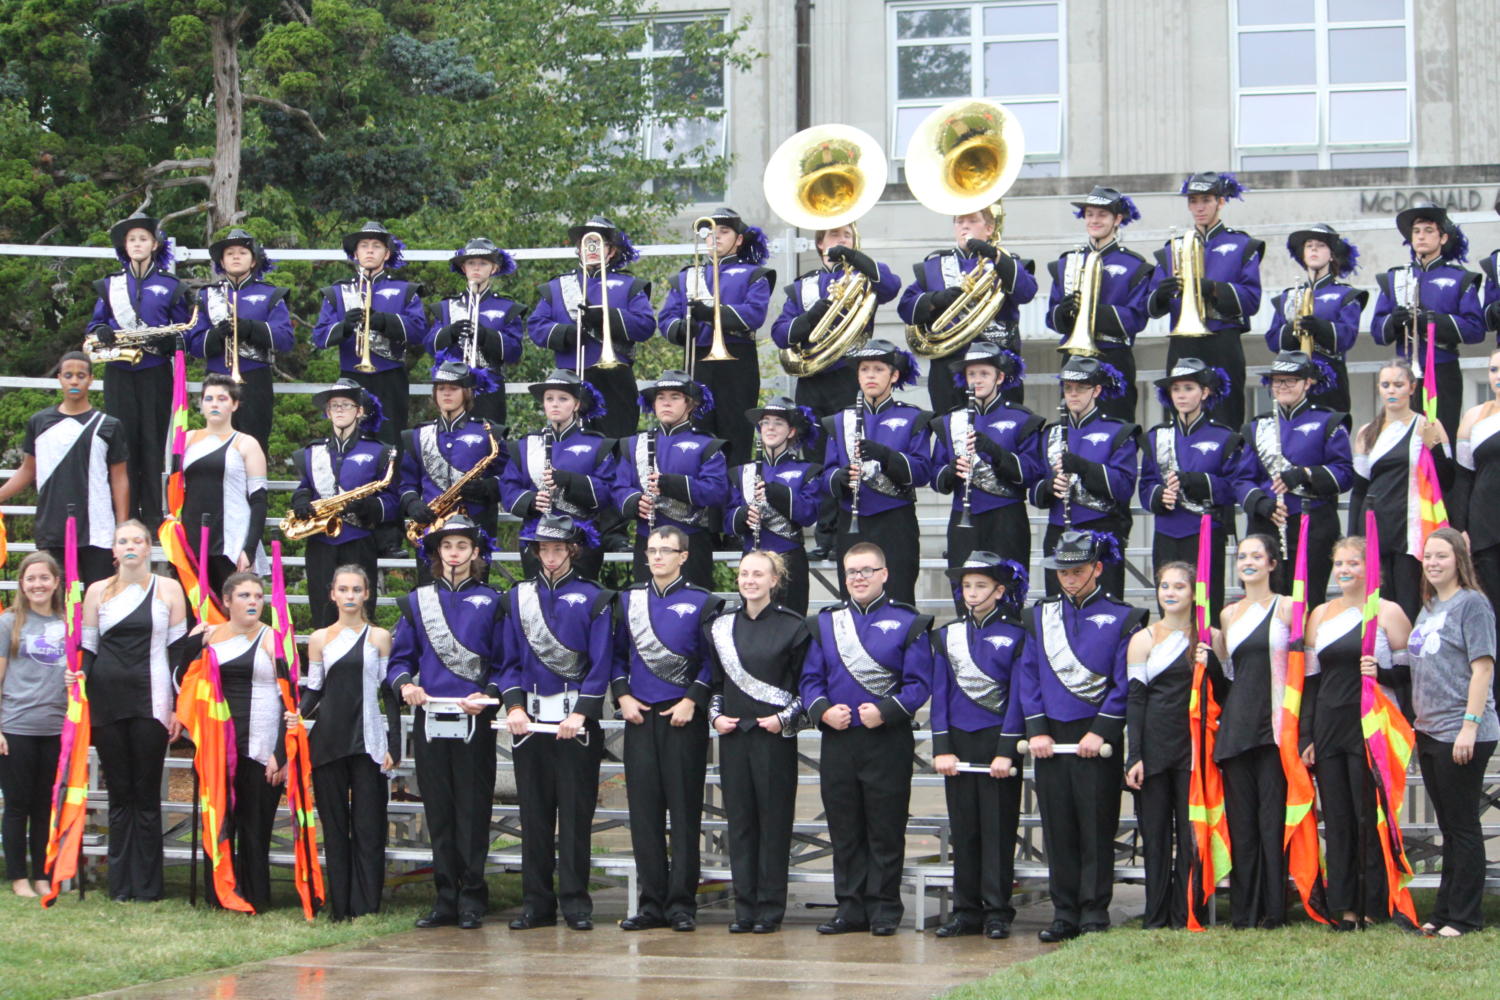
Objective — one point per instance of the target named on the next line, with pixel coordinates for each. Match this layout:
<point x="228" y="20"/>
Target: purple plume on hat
<point x="1015" y="594"/>
<point x="627" y="250"/>
<point x="374" y="413"/>
<point x="594" y="403"/>
<point x="1107" y="546"/>
<point x="754" y="248"/>
<point x="814" y="428"/>
<point x="910" y="371"/>
<point x="1116" y="388"/>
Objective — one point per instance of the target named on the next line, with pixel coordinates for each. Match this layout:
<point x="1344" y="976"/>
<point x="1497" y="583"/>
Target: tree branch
<point x="165" y="165"/>
<point x="286" y="109"/>
<point x="171" y="182"/>
<point x="202" y="206"/>
<point x="295" y="9"/>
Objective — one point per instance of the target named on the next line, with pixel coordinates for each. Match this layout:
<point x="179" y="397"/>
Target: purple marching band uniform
<point x="139" y="395"/>
<point x="659" y="660"/>
<point x="1337" y="306"/>
<point x="497" y="320"/>
<point x="877" y="654"/>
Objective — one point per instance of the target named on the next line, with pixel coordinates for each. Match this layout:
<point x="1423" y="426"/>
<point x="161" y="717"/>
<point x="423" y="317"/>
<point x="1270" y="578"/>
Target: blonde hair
<point x="23" y="606"/>
<point x="777" y="562"/>
<point x="113" y="585"/>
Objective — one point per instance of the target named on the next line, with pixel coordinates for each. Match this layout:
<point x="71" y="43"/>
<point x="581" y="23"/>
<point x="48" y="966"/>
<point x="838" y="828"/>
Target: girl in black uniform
<point x="1385" y="458"/>
<point x="757" y="650"/>
<point x="1477" y="454"/>
<point x="129" y="620"/>
<point x="1356" y="870"/>
<point x="225" y="475"/>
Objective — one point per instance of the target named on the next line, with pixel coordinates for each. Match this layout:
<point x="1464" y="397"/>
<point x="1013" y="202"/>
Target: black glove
<point x="982" y="248"/>
<point x="1160" y="302"/>
<point x="1265" y="506"/>
<point x="1075" y="463"/>
<point x="991" y="450"/>
<point x="256" y="333"/>
<point x="1444" y="333"/>
<point x="564" y="337"/>
<point x="1399" y="319"/>
<point x="1067" y="310"/>
<point x="1295" y="477"/>
<point x="369" y="510"/>
<point x="802" y="326"/>
<point x="303" y="509"/>
<point x="592" y="318"/>
<point x="417" y="510"/>
<point x="390" y="326"/>
<point x="338" y="333"/>
<point x="1492" y="316"/>
<point x="451" y="334"/>
<point x="481" y="490"/>
<point x="1289" y="341"/>
<point x="104" y="333"/>
<point x="491" y="344"/>
<point x="945" y="297"/>
<point x="213" y="340"/>
<point x="876" y="451"/>
<point x="1006" y="267"/>
<point x="853" y="258"/>
<point x="1322" y="332"/>
<point x="703" y="312"/>
<point x="1194" y="485"/>
<point x="1207" y="293"/>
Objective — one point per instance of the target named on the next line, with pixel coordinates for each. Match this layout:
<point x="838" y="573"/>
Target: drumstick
<point x="531" y="727"/>
<point x="980" y="769"/>
<point x="451" y="704"/>
<point x="1024" y="748"/>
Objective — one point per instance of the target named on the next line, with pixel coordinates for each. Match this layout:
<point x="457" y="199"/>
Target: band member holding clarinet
<point x="554" y="691"/>
<point x="1092" y="462"/>
<point x="868" y="672"/>
<point x="987" y="453"/>
<point x="661" y="682"/>
<point x="243" y="322"/>
<point x="479" y="326"/>
<point x="1320" y="315"/>
<point x="566" y="468"/>
<point x="973" y="709"/>
<point x="1435" y="290"/>
<point x="592" y="318"/>
<point x="878" y="453"/>
<point x="672" y="474"/>
<point x="350" y="476"/>
<point x="775" y="496"/>
<point x="143" y="302"/>
<point x="722" y="303"/>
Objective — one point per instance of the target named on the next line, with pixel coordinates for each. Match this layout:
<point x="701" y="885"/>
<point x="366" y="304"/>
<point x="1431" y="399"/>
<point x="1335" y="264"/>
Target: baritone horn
<point x="827" y="177"/>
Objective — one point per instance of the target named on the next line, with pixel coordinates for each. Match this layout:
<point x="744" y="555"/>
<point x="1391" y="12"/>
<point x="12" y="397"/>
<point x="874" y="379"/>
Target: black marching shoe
<point x="1058" y="932"/>
<point x="684" y="923"/>
<point x="838" y="925"/>
<point x="642" y="922"/>
<point x="997" y="930"/>
<point x="882" y="930"/>
<point x="469" y="920"/>
<point x="580" y="922"/>
<point x="436" y="919"/>
<point x="1094" y="927"/>
<point x="527" y="921"/>
<point x="741" y="927"/>
<point x="957" y="927"/>
<point x="764" y="927"/>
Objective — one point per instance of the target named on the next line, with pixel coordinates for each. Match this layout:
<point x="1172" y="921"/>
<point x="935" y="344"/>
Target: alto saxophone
<point x="446" y="503"/>
<point x="130" y="345"/>
<point x="328" y="513"/>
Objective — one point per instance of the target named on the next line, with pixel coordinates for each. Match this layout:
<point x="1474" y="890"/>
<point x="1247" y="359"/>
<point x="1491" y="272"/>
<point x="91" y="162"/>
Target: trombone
<point x="706" y="229"/>
<point x="365" y="364"/>
<point x="234" y="342"/>
<point x="594" y="242"/>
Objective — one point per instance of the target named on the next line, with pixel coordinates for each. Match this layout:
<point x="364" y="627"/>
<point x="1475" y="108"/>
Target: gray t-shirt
<point x="34" y="699"/>
<point x="1448" y="637"/>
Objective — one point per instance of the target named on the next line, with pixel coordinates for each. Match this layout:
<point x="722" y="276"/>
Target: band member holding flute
<point x="1320" y="315"/>
<point x="479" y="326"/>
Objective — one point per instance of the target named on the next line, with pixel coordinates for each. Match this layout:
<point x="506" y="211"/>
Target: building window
<point x="1010" y="51"/>
<point x="1322" y="83"/>
<point x="699" y="84"/>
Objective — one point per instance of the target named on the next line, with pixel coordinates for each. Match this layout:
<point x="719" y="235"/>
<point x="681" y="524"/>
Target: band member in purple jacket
<point x="661" y="682"/>
<point x="1072" y="686"/>
<point x="973" y="711"/>
<point x="868" y="671"/>
<point x="1333" y="325"/>
<point x="1491" y="268"/>
<point x="448" y="644"/>
<point x="479" y="326"/>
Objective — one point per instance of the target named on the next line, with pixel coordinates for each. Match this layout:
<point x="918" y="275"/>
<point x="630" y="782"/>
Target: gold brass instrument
<point x="446" y="503"/>
<point x="1187" y="265"/>
<point x="1304" y="308"/>
<point x="365" y="364"/>
<point x="327" y="518"/>
<point x="594" y="242"/>
<point x="961" y="159"/>
<point x="1085" y="266"/>
<point x="233" y="294"/>
<point x="130" y="345"/>
<point x="827" y="177"/>
<point x="717" y="351"/>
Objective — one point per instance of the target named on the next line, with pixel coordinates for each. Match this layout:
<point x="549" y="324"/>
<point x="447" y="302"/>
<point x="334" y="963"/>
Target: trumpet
<point x="368" y="286"/>
<point x="594" y="242"/>
<point x="130" y="345"/>
<point x="1085" y="267"/>
<point x="233" y="294"/>
<point x="1187" y="265"/>
<point x="471" y="345"/>
<point x="328" y="513"/>
<point x="856" y="461"/>
<point x="1409" y="296"/>
<point x="705" y="228"/>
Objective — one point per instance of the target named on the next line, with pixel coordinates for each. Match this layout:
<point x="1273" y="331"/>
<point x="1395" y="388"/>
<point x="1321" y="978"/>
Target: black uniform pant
<point x="735" y="385"/>
<point x="1161" y="813"/>
<point x="1080" y="804"/>
<point x="1456" y="791"/>
<point x="664" y="769"/>
<point x="1223" y="350"/>
<point x="491" y="405"/>
<point x="1401" y="581"/>
<point x="1322" y="532"/>
<point x="1113" y="577"/>
<point x="1337" y="398"/>
<point x="1450" y="385"/>
<point x="758" y="773"/>
<point x="393" y="389"/>
<point x="699" y="567"/>
<point x="1356" y="868"/>
<point x="1487" y="568"/>
<point x="26" y="776"/>
<point x="866" y="785"/>
<point x="940" y="388"/>
<point x="983" y="813"/>
<point x="325" y="555"/>
<point x="131" y="754"/>
<point x="249" y="832"/>
<point x="1122" y="407"/>
<point x="558" y="783"/>
<point x="622" y="412"/>
<point x="352" y="796"/>
<point x="142" y="400"/>
<point x="1005" y="531"/>
<point x="895" y="531"/>
<point x="457" y="780"/>
<point x="1255" y="808"/>
<point x="825" y="394"/>
<point x="257" y="409"/>
<point x="94" y="563"/>
<point x="1165" y="549"/>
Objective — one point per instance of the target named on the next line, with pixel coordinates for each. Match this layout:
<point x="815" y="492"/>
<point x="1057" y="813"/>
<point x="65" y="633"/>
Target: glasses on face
<point x="863" y="573"/>
<point x="342" y="407"/>
<point x="1284" y="383"/>
<point x="654" y="552"/>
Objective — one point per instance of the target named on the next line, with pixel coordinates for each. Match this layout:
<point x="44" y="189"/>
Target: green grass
<point x="1303" y="960"/>
<point x="79" y="948"/>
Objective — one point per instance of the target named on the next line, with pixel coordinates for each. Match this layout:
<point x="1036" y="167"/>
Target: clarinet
<point x="650" y="468"/>
<point x="759" y="484"/>
<point x="549" y="442"/>
<point x="854" y="459"/>
<point x="964" y="520"/>
<point x="1067" y="499"/>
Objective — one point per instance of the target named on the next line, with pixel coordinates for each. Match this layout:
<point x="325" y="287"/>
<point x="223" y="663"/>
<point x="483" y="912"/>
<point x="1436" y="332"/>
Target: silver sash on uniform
<point x="564" y="662"/>
<point x="981" y="688"/>
<point x="536" y="461"/>
<point x="722" y="632"/>
<point x="810" y="290"/>
<point x="320" y="464"/>
<point x="1079" y="494"/>
<point x="1082" y="682"/>
<point x="570" y="287"/>
<point x="669" y="507"/>
<point x="983" y="473"/>
<point x="871" y="675"/>
<point x="434" y="462"/>
<point x="871" y="474"/>
<point x="354" y="304"/>
<point x="1166" y="461"/>
<point x="216" y="297"/>
<point x="771" y="519"/>
<point x="661" y="661"/>
<point x="120" y="304"/>
<point x="1268" y="448"/>
<point x="458" y="658"/>
<point x="695" y="285"/>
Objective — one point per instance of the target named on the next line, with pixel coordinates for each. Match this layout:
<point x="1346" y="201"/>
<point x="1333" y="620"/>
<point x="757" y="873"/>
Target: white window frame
<point x="976" y="40"/>
<point x="645" y="133"/>
<point x="1321" y="88"/>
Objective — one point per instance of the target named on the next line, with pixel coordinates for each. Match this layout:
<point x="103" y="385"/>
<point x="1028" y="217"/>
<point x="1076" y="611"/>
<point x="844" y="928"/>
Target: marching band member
<point x="1385" y="460"/>
<point x="937" y="283"/>
<point x="1118" y="310"/>
<point x="1296" y="459"/>
<point x="354" y="745"/>
<point x="1187" y="468"/>
<point x="998" y="446"/>
<point x="225" y="474"/>
<point x="672" y="474"/>
<point x="973" y="663"/>
<point x="244" y="303"/>
<point x="892" y="443"/>
<point x="480" y="326"/>
<point x="545" y="679"/>
<point x="350" y="457"/>
<point x="564" y="469"/>
<point x="1071" y="682"/>
<point x="1333" y="325"/>
<point x="391" y="310"/>
<point x="1092" y="458"/>
<point x="1478" y="463"/>
<point x="757" y="651"/>
<point x="1435" y="288"/>
<point x="1491" y="268"/>
<point x="661" y="682"/>
<point x="868" y="672"/>
<point x="448" y="644"/>
<point x="1356" y="880"/>
<point x="1229" y="290"/>
<point x="739" y="300"/>
<point x="144" y="294"/>
<point x="436" y="454"/>
<point x="129" y="620"/>
<point x="776" y="496"/>
<point x="576" y="299"/>
<point x="92" y="480"/>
